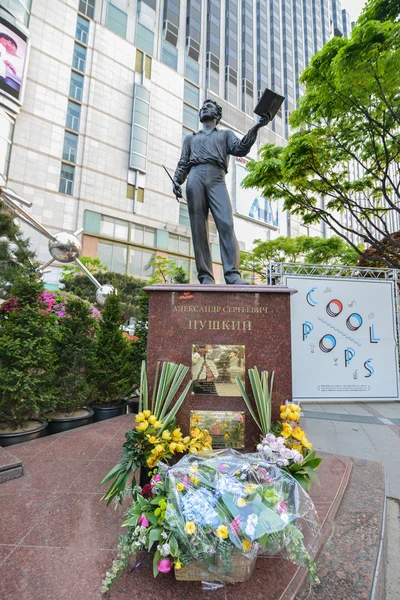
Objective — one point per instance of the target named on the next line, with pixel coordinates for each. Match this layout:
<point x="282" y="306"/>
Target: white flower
<point x="164" y="535"/>
<point x="165" y="550"/>
<point x="269" y="438"/>
<point x="282" y="462"/>
<point x="286" y="453"/>
<point x="260" y="447"/>
<point x="298" y="458"/>
<point x="251" y="525"/>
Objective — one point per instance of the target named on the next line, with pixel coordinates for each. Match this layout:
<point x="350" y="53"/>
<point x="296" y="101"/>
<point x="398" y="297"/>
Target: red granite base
<point x="10" y="466"/>
<point x="257" y="317"/>
<point x="57" y="540"/>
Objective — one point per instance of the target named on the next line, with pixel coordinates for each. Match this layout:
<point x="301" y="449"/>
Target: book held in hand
<point x="270" y="102"/>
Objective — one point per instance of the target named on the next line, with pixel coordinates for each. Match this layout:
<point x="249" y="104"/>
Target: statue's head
<point x="209" y="111"/>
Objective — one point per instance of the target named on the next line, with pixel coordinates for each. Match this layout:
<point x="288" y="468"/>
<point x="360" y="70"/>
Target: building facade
<point x="107" y="91"/>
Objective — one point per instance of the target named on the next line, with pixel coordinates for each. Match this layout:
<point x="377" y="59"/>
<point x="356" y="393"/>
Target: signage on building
<point x="250" y="203"/>
<point x="14" y="45"/>
<point x="343" y="339"/>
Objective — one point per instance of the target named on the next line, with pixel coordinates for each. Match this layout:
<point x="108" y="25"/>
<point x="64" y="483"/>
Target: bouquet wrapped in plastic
<point x="225" y="508"/>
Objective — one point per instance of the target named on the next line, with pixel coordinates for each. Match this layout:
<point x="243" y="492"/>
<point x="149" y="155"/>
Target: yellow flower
<point x="250" y="488"/>
<point x="172" y="447"/>
<point x="192" y="449"/>
<point x="151" y="461"/>
<point x="194" y="479"/>
<point x="178" y="565"/>
<point x="195" y="432"/>
<point x="295" y="407"/>
<point x="152" y="419"/>
<point x="283" y="407"/>
<point x="283" y="415"/>
<point x="226" y="436"/>
<point x="222" y="532"/>
<point x="306" y="443"/>
<point x="140" y="417"/>
<point x="241" y="502"/>
<point x="153" y="439"/>
<point x="142" y="426"/>
<point x="225" y="425"/>
<point x="166" y="435"/>
<point x="297" y="447"/>
<point x="180" y="487"/>
<point x="298" y="433"/>
<point x="159" y="449"/>
<point x="186" y="439"/>
<point x="147" y="413"/>
<point x="246" y="545"/>
<point x="195" y="419"/>
<point x="157" y="425"/>
<point x="180" y="447"/>
<point x="190" y="528"/>
<point x="286" y="430"/>
<point x="193" y="469"/>
<point x="177" y="434"/>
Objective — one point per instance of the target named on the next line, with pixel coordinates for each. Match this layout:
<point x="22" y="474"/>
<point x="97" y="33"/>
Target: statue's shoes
<point x="207" y="281"/>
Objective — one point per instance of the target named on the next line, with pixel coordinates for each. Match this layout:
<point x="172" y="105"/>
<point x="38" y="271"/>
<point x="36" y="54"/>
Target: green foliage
<point x="262" y="393"/>
<point x="27" y="358"/>
<point x="166" y="271"/>
<point x="129" y="288"/>
<point x="93" y="265"/>
<point x="75" y="349"/>
<point x="14" y="250"/>
<point x="380" y="10"/>
<point x="304" y="471"/>
<point x="349" y="115"/>
<point x="112" y="375"/>
<point x="303" y="249"/>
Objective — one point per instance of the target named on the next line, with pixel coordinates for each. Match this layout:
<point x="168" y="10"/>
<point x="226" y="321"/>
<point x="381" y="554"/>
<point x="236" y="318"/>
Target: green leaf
<point x="156" y="558"/>
<point x="154" y="536"/>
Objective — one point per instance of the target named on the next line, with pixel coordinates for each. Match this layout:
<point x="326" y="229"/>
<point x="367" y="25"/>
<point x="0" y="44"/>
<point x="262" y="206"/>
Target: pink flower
<point x="157" y="478"/>
<point x="282" y="507"/>
<point x="238" y="418"/>
<point x="235" y="525"/>
<point x="144" y="522"/>
<point x="186" y="480"/>
<point x="164" y="565"/>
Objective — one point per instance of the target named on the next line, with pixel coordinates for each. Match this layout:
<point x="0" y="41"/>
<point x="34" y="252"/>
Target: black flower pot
<point x="9" y="439"/>
<point x="101" y="413"/>
<point x="59" y="424"/>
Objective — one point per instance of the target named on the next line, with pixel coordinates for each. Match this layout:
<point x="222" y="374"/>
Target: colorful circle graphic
<point x="354" y="322"/>
<point x="334" y="308"/>
<point x="327" y="343"/>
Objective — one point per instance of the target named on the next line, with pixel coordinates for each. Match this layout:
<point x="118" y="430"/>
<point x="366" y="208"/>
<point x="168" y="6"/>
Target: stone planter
<point x="9" y="439"/>
<point x="59" y="424"/>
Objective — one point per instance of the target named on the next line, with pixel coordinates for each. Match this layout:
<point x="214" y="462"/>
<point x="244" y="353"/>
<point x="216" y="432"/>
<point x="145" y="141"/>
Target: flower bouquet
<point x="211" y="515"/>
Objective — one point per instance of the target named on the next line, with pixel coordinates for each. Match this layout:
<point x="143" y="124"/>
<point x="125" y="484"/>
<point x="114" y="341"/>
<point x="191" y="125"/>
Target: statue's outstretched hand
<point x="177" y="190"/>
<point x="264" y="120"/>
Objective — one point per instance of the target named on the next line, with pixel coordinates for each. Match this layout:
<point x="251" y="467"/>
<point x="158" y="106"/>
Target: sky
<point x="353" y="7"/>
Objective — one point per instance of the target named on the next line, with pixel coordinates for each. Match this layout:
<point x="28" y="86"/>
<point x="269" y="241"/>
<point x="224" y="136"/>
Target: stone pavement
<point x="367" y="431"/>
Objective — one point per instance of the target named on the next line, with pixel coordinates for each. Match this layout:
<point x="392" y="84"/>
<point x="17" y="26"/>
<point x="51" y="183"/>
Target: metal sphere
<point x="102" y="292"/>
<point x="65" y="248"/>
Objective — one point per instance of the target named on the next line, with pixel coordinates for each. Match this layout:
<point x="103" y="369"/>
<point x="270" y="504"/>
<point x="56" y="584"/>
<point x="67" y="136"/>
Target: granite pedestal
<point x="257" y="317"/>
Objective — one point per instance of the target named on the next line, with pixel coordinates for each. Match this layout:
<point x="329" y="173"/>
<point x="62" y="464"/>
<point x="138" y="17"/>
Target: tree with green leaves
<point x="93" y="265"/>
<point x="129" y="288"/>
<point x="113" y="374"/>
<point x="27" y="358"/>
<point x="75" y="349"/>
<point x="303" y="249"/>
<point x="14" y="250"/>
<point x="166" y="271"/>
<point x="341" y="164"/>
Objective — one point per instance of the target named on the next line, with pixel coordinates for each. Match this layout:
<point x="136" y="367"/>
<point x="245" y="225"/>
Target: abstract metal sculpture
<point x="64" y="247"/>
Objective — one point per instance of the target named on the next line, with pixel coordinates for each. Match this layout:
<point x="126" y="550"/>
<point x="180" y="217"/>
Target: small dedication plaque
<point x="214" y="368"/>
<point x="226" y="427"/>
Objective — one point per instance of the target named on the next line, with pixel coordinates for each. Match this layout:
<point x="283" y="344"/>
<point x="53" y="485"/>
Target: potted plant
<point x="112" y="374"/>
<point x="27" y="359"/>
<point x="75" y="349"/>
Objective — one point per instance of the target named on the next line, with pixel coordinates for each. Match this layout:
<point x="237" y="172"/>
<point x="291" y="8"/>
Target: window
<point x="130" y="191"/>
<point x="114" y="228"/>
<point x="6" y="137"/>
<point x="73" y="115"/>
<point x="191" y="94"/>
<point x="116" y="20"/>
<point x="76" y="86"/>
<point x="169" y="55"/>
<point x="179" y="243"/>
<point x="67" y="179"/>
<point x="79" y="59"/>
<point x="87" y="8"/>
<point x="140" y="123"/>
<point x="192" y="70"/>
<point x="139" y="61"/>
<point x="183" y="214"/>
<point x="144" y="236"/>
<point x="190" y="117"/>
<point x="147" y="66"/>
<point x="114" y="256"/>
<point x="82" y="30"/>
<point x="70" y="146"/>
<point x="144" y="39"/>
<point x="140" y="195"/>
<point x="139" y="263"/>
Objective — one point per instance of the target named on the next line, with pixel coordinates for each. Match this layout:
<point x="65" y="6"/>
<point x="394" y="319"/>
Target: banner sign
<point x="343" y="339"/>
<point x="13" y="59"/>
<point x="250" y="203"/>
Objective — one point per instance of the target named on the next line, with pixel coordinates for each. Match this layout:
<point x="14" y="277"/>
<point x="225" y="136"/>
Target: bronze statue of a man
<point x="205" y="158"/>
